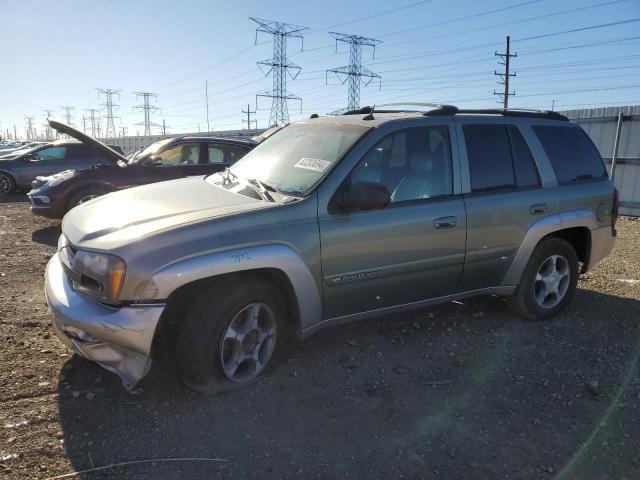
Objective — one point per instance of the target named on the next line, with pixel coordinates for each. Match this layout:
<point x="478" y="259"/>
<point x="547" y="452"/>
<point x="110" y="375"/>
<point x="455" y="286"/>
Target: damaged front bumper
<point x="118" y="339"/>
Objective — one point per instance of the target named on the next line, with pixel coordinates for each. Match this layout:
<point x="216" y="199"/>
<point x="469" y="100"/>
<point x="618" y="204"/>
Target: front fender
<point x="275" y="256"/>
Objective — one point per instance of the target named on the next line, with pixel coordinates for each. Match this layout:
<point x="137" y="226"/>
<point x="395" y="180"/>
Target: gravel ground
<point x="462" y="390"/>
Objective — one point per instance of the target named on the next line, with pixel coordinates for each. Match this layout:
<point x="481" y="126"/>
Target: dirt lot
<point x="456" y="391"/>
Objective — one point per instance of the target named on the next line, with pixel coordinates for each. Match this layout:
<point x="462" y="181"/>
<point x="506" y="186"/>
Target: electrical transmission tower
<point x="31" y="134"/>
<point x="48" y="132"/>
<point x="504" y="77"/>
<point x="249" y="112"/>
<point x="110" y="130"/>
<point x="279" y="67"/>
<point x="147" y="108"/>
<point x="67" y="113"/>
<point x="354" y="73"/>
<point x="93" y="120"/>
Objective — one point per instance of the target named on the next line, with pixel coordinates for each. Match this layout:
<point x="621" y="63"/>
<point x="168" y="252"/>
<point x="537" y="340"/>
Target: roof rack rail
<point x="443" y="109"/>
<point x="511" y="112"/>
<point x="436" y="109"/>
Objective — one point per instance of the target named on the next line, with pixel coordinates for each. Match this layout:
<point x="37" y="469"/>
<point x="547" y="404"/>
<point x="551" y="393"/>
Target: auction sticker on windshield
<point x="315" y="164"/>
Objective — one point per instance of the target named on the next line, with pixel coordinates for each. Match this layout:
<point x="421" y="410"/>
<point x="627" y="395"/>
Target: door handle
<point x="445" y="222"/>
<point x="538" y="209"/>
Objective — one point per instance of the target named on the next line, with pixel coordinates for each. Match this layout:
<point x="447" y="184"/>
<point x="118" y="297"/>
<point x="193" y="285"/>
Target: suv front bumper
<point x="118" y="339"/>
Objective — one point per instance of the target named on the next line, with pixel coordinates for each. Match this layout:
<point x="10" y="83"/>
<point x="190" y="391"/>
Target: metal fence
<point x="604" y="126"/>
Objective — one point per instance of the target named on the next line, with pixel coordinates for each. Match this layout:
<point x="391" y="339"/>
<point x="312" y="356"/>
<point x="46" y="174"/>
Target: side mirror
<point x="27" y="157"/>
<point x="364" y="196"/>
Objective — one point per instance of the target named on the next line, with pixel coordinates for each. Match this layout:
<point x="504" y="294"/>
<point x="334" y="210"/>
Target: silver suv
<point x="331" y="220"/>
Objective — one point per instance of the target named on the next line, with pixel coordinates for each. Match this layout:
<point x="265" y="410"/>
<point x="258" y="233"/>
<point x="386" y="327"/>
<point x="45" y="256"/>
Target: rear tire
<point x="548" y="281"/>
<point x="85" y="195"/>
<point x="230" y="335"/>
<point x="7" y="184"/>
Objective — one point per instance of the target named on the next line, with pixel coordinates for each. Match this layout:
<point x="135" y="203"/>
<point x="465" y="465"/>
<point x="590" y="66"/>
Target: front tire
<point x="548" y="281"/>
<point x="85" y="195"/>
<point x="7" y="184"/>
<point x="231" y="335"/>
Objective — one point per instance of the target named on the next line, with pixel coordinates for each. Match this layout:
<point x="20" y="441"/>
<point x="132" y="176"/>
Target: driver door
<point x="43" y="162"/>
<point x="176" y="161"/>
<point x="412" y="250"/>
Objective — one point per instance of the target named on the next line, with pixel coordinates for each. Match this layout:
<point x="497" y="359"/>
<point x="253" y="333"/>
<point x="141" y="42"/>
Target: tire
<point x="206" y="349"/>
<point x="553" y="262"/>
<point x="84" y="195"/>
<point x="7" y="184"/>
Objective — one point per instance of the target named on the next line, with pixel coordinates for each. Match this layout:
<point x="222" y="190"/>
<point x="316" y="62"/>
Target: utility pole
<point x="147" y="108"/>
<point x="504" y="96"/>
<point x="84" y="124"/>
<point x="15" y="132"/>
<point x="248" y="111"/>
<point x="206" y="96"/>
<point x="30" y="132"/>
<point x="123" y="131"/>
<point x="93" y="119"/>
<point x="67" y="113"/>
<point x="354" y="73"/>
<point x="279" y="67"/>
<point x="164" y="127"/>
<point x="109" y="93"/>
<point x="47" y="115"/>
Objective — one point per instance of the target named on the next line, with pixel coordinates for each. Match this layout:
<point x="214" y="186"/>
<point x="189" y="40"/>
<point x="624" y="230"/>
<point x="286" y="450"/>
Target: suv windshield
<point x="298" y="156"/>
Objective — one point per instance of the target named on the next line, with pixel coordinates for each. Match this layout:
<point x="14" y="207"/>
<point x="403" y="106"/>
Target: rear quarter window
<point x="571" y="152"/>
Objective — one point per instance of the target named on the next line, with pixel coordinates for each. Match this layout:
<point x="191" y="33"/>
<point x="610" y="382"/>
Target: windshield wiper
<point x="260" y="188"/>
<point x="226" y="175"/>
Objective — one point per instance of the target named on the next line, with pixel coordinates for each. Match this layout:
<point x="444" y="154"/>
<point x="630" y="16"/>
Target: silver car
<point x="327" y="221"/>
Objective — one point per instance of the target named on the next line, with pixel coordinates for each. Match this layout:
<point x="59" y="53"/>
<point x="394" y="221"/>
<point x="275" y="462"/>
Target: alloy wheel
<point x="552" y="281"/>
<point x="248" y="342"/>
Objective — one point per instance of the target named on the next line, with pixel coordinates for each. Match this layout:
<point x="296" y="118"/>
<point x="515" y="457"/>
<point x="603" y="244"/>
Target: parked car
<point x="164" y="160"/>
<point x="17" y="172"/>
<point x="331" y="220"/>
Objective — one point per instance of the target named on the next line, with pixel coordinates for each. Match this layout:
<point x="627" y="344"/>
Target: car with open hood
<point x="331" y="220"/>
<point x="166" y="159"/>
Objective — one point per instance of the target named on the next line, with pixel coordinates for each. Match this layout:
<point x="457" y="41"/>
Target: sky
<point x="571" y="54"/>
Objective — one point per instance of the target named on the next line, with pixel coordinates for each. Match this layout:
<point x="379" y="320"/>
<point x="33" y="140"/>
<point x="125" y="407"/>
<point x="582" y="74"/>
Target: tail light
<point x="614" y="210"/>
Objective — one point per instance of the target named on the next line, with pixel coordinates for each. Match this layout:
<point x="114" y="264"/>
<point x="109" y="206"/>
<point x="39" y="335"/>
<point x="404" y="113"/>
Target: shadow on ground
<point x="47" y="235"/>
<point x="14" y="198"/>
<point x="456" y="391"/>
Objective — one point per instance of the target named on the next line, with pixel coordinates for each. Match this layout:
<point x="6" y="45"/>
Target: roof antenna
<point x="369" y="116"/>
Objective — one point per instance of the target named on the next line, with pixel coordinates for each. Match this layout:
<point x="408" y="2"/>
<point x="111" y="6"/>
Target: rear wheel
<point x="230" y="335"/>
<point x="7" y="184"/>
<point x="548" y="281"/>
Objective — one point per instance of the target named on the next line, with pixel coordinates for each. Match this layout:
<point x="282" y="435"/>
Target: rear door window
<point x="490" y="163"/>
<point x="571" y="152"/>
<point x="523" y="163"/>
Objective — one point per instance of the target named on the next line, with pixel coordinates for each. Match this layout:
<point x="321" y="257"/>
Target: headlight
<point x="101" y="275"/>
<point x="58" y="178"/>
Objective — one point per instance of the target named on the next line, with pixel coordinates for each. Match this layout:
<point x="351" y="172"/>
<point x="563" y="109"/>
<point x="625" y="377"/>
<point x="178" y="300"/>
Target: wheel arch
<point x="574" y="227"/>
<point x="11" y="176"/>
<point x="93" y="184"/>
<point x="180" y="283"/>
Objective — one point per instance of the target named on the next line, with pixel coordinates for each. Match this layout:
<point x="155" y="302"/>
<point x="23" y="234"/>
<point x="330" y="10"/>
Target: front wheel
<point x="548" y="281"/>
<point x="85" y="195"/>
<point x="230" y="335"/>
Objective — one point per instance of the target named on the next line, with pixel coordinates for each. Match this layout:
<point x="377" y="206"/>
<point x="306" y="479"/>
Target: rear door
<point x="504" y="195"/>
<point x="219" y="156"/>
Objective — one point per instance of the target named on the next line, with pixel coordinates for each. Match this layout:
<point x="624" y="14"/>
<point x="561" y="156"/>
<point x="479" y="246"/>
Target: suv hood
<point x="86" y="139"/>
<point x="128" y="215"/>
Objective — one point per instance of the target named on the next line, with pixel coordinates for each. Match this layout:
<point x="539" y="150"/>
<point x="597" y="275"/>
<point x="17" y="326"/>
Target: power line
<point x="354" y="73"/>
<point x="506" y="57"/>
<point x="279" y="67"/>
